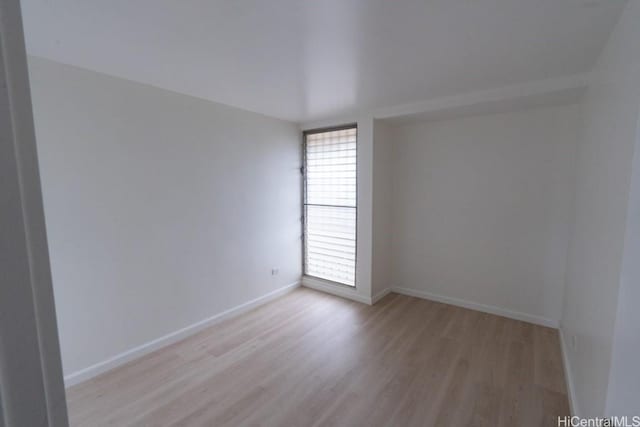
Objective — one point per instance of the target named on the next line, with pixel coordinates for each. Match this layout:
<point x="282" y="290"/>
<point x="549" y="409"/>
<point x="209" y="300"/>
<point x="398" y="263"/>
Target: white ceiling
<point x="306" y="60"/>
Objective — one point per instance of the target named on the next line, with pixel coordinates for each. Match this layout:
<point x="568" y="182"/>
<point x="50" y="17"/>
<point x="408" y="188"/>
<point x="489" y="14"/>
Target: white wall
<point x="381" y="278"/>
<point x="596" y="253"/>
<point x="482" y="209"/>
<point x="162" y="210"/>
<point x="623" y="394"/>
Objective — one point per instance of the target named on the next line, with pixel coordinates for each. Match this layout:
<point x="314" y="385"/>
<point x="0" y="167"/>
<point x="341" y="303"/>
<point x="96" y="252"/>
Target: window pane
<point x="330" y="238"/>
<point x="330" y="205"/>
<point x="331" y="168"/>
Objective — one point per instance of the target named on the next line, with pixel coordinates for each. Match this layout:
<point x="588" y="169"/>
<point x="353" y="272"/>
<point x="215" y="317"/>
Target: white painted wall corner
<point x="383" y="293"/>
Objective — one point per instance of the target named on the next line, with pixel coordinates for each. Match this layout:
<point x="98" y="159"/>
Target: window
<point x="330" y="209"/>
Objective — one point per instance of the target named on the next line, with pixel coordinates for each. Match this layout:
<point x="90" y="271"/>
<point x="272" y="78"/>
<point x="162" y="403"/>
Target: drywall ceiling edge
<point x="543" y="91"/>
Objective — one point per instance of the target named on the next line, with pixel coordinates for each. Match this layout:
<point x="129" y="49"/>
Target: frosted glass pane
<point x="330" y="205"/>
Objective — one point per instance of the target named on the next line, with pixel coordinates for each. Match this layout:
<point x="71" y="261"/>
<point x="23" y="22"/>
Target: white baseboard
<point x="530" y="318"/>
<point x="573" y="406"/>
<point x="335" y="289"/>
<point x="136" y="352"/>
<point x="377" y="297"/>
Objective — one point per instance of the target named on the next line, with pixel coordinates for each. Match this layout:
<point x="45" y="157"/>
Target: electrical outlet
<point x="275" y="271"/>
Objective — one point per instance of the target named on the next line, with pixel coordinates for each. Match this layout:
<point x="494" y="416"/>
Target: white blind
<point x="330" y="205"/>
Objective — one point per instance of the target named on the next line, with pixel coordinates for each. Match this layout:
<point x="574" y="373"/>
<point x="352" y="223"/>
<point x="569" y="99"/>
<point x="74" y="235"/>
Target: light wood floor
<point x="310" y="359"/>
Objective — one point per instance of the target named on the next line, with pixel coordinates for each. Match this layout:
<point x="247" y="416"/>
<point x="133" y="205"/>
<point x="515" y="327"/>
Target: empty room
<point x="320" y="213"/>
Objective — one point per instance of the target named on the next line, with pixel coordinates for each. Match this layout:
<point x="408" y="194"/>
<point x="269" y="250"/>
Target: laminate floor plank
<point x="311" y="359"/>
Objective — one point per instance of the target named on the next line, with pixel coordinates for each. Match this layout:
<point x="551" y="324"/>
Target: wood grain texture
<point x="311" y="359"/>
